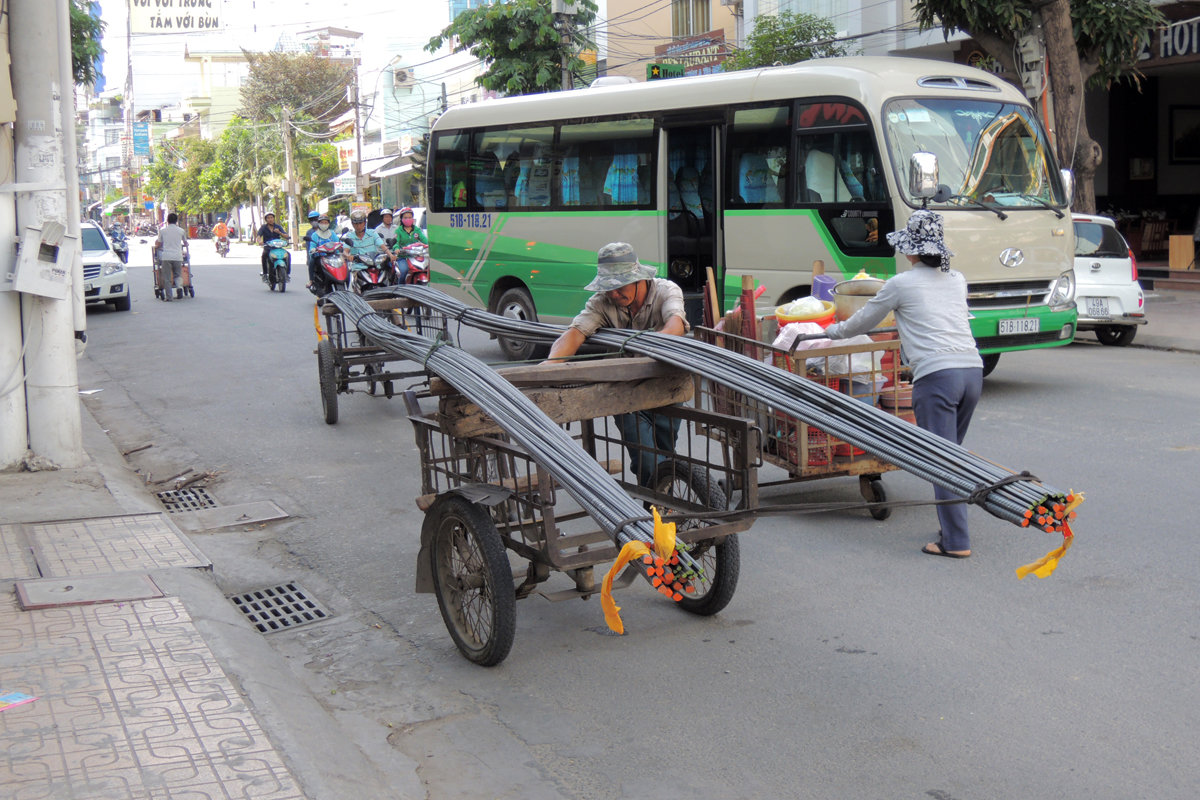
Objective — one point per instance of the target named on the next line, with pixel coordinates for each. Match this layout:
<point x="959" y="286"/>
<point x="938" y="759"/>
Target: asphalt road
<point x="848" y="663"/>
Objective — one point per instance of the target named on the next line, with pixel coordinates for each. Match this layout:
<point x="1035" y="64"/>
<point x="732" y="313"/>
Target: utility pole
<point x="14" y="430"/>
<point x="353" y="88"/>
<point x="51" y="380"/>
<point x="290" y="181"/>
<point x="564" y="18"/>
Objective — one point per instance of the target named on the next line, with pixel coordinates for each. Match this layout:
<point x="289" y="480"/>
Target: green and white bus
<point x="760" y="173"/>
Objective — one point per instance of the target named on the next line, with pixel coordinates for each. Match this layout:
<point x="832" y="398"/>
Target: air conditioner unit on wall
<point x="402" y="78"/>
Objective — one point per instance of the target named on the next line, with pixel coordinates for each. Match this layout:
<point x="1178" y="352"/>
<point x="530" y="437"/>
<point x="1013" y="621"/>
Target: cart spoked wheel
<point x="872" y="490"/>
<point x="472" y="579"/>
<point x="325" y="370"/>
<point x="720" y="559"/>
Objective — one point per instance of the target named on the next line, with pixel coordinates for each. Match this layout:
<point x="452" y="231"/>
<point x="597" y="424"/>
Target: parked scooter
<point x="417" y="256"/>
<point x="222" y="246"/>
<point x="335" y="273"/>
<point x="280" y="268"/>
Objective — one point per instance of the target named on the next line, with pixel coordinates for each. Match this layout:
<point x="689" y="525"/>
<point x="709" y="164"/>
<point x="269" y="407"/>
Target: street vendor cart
<point x="489" y="504"/>
<point x="869" y="372"/>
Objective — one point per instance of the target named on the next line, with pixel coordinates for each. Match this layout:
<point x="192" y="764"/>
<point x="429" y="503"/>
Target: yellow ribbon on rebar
<point x="1044" y="567"/>
<point x="664" y="536"/>
<point x="612" y="611"/>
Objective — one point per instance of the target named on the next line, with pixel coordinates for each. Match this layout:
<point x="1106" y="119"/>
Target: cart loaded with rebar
<point x="522" y="470"/>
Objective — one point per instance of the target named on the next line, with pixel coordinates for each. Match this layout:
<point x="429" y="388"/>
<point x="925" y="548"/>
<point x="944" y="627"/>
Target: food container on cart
<point x="849" y="296"/>
<point x="823" y="317"/>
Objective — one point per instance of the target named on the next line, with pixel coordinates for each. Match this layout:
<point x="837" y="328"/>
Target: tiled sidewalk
<point x="131" y="701"/>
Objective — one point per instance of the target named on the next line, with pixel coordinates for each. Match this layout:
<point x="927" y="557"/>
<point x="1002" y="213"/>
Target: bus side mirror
<point x="923" y="175"/>
<point x="1068" y="179"/>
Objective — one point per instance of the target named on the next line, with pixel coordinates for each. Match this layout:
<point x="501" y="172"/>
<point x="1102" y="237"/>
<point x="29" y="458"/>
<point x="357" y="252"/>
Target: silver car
<point x="1107" y="292"/>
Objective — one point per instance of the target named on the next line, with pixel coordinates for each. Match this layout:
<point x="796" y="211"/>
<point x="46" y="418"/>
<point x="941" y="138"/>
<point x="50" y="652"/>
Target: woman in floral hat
<point x="930" y="304"/>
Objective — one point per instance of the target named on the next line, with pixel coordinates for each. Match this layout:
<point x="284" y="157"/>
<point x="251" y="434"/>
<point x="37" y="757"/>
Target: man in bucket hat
<point x="628" y="295"/>
<point x="930" y="304"/>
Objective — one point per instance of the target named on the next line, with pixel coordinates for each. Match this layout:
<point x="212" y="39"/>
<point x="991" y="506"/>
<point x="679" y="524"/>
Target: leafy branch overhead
<point x="786" y="39"/>
<point x="310" y="85"/>
<point x="86" y="30"/>
<point x="518" y="44"/>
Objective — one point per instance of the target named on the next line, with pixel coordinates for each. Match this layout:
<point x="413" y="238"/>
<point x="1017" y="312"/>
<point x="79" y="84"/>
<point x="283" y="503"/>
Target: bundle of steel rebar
<point x="597" y="492"/>
<point x="1016" y="497"/>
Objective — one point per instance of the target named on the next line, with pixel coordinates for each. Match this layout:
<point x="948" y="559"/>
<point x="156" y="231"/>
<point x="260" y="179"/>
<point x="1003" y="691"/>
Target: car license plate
<point x="87" y="287"/>
<point x="1097" y="306"/>
<point x="1022" y="325"/>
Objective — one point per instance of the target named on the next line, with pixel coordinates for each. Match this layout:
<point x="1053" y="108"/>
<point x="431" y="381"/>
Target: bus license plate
<point x="1023" y="325"/>
<point x="1097" y="306"/>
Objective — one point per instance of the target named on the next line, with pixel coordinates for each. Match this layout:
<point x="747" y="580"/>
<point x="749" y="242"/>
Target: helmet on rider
<point x="312" y="215"/>
<point x="357" y="217"/>
<point x="406" y="212"/>
<point x="386" y="212"/>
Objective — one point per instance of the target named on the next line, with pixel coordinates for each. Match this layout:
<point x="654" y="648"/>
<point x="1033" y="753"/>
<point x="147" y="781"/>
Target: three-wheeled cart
<point x="345" y="357"/>
<point x="490" y="505"/>
<point x="870" y="372"/>
<point x="184" y="289"/>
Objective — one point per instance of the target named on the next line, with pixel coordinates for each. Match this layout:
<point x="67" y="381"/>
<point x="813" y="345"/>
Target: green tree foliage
<point x="518" y="44"/>
<point x="1093" y="42"/>
<point x="175" y="175"/>
<point x="86" y="29"/>
<point x="786" y="39"/>
<point x="419" y="158"/>
<point x="307" y="84"/>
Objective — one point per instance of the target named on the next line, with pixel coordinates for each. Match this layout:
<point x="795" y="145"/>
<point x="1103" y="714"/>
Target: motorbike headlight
<point x="113" y="269"/>
<point x="1062" y="291"/>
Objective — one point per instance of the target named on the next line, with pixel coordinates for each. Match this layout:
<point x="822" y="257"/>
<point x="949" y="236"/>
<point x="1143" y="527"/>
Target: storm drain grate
<point x="178" y="501"/>
<point x="279" y="608"/>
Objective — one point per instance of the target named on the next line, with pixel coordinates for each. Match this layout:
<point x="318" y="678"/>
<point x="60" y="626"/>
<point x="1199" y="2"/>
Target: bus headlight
<point x="1062" y="292"/>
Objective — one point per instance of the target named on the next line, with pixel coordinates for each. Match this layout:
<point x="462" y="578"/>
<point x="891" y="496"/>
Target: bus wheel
<point x="989" y="363"/>
<point x="517" y="304"/>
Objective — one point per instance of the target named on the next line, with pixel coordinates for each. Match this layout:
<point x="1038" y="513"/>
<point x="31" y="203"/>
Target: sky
<point x="161" y="77"/>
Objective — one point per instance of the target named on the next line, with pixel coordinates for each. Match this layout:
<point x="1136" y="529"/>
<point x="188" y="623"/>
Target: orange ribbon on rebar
<point x="321" y="335"/>
<point x="664" y="536"/>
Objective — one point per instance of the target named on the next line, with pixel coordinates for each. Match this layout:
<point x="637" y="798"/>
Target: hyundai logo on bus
<point x="1012" y="257"/>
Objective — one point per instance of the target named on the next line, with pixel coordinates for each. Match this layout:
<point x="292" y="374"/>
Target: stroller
<point x="185" y="277"/>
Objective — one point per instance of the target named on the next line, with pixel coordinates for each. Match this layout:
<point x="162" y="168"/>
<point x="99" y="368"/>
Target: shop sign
<point x="698" y="55"/>
<point x="175" y="16"/>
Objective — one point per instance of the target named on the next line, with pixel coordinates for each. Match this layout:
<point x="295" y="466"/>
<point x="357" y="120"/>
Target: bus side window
<point x="489" y="181"/>
<point x="450" y="180"/>
<point x="621" y="181"/>
<point x="758" y="143"/>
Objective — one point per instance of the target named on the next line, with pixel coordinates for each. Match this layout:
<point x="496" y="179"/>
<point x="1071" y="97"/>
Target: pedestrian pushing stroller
<point x="185" y="277"/>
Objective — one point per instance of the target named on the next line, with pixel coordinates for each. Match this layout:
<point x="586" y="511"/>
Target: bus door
<point x="693" y="236"/>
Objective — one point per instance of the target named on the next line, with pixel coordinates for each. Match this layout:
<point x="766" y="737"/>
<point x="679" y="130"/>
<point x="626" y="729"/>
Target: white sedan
<point x="1107" y="292"/>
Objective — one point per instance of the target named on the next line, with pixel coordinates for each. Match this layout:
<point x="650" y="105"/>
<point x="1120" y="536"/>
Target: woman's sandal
<point x="935" y="549"/>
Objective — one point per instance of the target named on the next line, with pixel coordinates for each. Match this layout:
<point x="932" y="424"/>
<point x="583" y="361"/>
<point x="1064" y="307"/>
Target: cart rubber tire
<point x="517" y="304"/>
<point x="1116" y="335"/>
<point x="329" y="401"/>
<point x="873" y="491"/>
<point x="472" y="579"/>
<point x="989" y="363"/>
<point x="281" y="278"/>
<point x="721" y="559"/>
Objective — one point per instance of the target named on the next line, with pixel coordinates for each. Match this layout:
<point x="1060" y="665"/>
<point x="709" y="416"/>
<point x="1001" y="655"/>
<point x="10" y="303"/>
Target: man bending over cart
<point x="628" y="295"/>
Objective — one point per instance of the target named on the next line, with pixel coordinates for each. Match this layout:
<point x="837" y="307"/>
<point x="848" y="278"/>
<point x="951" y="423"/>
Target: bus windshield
<point x="989" y="153"/>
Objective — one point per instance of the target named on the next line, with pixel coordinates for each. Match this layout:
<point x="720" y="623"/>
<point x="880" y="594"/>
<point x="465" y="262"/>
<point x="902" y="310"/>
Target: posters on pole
<point x="141" y="138"/>
<point x="175" y="16"/>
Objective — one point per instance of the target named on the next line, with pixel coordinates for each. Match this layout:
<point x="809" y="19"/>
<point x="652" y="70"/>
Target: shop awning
<point x="383" y="173"/>
<point x="108" y="209"/>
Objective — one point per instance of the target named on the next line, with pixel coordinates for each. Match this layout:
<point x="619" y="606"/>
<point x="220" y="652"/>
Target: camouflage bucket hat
<point x="617" y="265"/>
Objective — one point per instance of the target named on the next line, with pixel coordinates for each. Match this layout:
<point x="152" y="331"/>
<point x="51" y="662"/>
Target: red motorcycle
<point x="417" y="256"/>
<point x="335" y="273"/>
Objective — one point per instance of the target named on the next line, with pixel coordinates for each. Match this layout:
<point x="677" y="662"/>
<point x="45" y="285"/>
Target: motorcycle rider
<point x="269" y="230"/>
<point x="408" y="233"/>
<point x="362" y="241"/>
<point x="221" y="234"/>
<point x="313" y="216"/>
<point x="321" y="234"/>
<point x="387" y="229"/>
